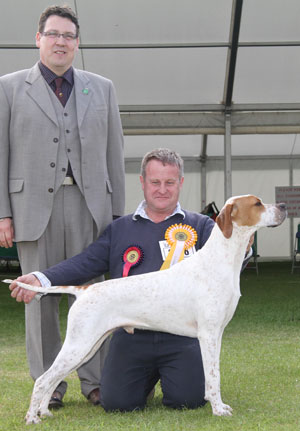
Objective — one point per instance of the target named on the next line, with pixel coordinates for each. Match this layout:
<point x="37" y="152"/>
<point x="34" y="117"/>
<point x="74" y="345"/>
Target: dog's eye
<point x="258" y="204"/>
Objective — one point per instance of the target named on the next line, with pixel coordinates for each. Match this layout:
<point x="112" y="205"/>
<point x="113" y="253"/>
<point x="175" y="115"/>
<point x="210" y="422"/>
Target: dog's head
<point x="249" y="210"/>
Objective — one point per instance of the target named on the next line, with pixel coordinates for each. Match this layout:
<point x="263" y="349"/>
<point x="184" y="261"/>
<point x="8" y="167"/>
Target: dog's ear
<point x="224" y="220"/>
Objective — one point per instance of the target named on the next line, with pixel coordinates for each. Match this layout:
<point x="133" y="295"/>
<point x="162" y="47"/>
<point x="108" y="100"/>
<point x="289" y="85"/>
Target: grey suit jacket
<point x="29" y="140"/>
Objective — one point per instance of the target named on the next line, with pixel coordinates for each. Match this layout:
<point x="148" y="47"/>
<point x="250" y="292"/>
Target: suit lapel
<point x="39" y="93"/>
<point x="83" y="95"/>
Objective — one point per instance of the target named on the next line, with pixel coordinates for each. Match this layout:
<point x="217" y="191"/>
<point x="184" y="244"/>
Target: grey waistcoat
<point x="69" y="149"/>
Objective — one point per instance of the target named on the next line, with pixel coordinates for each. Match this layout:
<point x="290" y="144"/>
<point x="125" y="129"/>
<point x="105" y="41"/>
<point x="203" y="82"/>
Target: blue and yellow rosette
<point x="180" y="237"/>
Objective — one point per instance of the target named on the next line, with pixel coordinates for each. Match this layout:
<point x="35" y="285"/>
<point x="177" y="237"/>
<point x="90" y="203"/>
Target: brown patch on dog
<point x="224" y="220"/>
<point x="76" y="287"/>
<point x="247" y="210"/>
<point x="83" y="287"/>
<point x="244" y="210"/>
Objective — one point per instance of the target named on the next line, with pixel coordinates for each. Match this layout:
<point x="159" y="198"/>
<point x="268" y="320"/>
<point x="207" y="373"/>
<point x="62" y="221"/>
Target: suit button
<point x="52" y="165"/>
<point x="67" y="131"/>
<point x="50" y="190"/>
<point x="55" y="140"/>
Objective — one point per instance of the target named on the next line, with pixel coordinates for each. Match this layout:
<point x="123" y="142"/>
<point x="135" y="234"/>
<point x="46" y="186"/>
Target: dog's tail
<point x="73" y="290"/>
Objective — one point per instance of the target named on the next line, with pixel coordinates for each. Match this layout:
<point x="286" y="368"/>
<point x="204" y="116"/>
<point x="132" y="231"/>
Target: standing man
<point x="61" y="175"/>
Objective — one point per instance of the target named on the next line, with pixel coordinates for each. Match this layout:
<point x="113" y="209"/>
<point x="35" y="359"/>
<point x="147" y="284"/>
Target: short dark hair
<point x="166" y="157"/>
<point x="62" y="11"/>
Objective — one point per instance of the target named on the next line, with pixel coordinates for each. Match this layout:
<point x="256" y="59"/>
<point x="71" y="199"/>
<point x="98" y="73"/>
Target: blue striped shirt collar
<point x="141" y="211"/>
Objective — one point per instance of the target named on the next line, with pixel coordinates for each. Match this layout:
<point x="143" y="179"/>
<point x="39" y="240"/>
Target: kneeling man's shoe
<point x="56" y="401"/>
<point x="94" y="397"/>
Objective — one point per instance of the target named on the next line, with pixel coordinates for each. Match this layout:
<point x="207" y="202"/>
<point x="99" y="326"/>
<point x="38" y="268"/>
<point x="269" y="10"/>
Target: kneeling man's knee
<point x="114" y="402"/>
<point x="180" y="402"/>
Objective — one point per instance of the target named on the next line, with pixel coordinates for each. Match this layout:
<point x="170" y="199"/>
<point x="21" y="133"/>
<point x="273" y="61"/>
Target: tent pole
<point x="291" y="183"/>
<point x="227" y="158"/>
<point x="203" y="158"/>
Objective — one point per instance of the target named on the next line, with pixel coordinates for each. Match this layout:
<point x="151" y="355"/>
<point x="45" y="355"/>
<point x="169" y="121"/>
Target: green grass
<point x="260" y="368"/>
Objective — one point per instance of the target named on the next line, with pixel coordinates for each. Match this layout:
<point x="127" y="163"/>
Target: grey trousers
<point x="70" y="229"/>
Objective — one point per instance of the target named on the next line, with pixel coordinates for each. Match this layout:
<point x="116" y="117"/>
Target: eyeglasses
<point x="56" y="35"/>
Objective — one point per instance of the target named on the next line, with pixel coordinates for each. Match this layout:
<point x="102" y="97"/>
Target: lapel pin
<point x="85" y="91"/>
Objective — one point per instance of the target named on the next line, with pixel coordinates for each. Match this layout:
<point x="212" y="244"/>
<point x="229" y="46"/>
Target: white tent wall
<point x="175" y="53"/>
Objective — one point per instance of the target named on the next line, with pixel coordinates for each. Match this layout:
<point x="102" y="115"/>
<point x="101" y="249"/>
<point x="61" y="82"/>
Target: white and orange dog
<point x="196" y="298"/>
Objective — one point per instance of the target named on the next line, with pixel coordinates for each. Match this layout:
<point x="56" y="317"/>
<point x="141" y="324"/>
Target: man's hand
<point x="24" y="294"/>
<point x="6" y="232"/>
<point x="251" y="241"/>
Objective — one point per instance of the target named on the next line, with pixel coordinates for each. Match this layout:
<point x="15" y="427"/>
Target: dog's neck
<point x="233" y="249"/>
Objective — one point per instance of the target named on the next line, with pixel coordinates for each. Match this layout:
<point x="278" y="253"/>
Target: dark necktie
<point x="58" y="90"/>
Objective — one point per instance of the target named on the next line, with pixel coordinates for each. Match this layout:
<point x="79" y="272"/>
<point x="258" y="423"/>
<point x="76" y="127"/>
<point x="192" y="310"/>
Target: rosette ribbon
<point x="132" y="256"/>
<point x="180" y="237"/>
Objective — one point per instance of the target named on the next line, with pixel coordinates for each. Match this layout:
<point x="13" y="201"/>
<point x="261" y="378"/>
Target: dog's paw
<point x="32" y="419"/>
<point x="46" y="412"/>
<point x="222" y="409"/>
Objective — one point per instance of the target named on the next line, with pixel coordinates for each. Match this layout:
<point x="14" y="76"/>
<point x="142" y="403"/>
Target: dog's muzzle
<point x="280" y="215"/>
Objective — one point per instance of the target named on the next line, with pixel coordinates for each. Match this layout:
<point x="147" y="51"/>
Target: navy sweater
<point x="105" y="254"/>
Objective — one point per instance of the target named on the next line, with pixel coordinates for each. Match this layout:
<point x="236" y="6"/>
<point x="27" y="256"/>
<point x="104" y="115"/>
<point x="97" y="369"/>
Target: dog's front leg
<point x="210" y="345"/>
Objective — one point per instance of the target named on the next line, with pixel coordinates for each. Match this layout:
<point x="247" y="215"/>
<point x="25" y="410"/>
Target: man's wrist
<point x="45" y="282"/>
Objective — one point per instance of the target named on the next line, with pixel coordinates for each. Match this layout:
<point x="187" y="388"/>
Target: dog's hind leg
<point x="40" y="399"/>
<point x="210" y="345"/>
<point x="71" y="356"/>
<point x="41" y="394"/>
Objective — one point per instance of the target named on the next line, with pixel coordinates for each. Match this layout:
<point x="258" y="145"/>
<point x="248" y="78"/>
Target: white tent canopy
<point x="216" y="80"/>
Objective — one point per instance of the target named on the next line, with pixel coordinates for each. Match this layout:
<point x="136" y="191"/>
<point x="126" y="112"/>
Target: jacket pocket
<point x="15" y="185"/>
